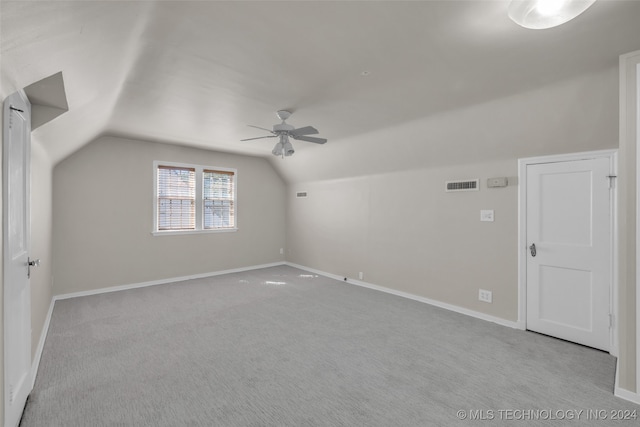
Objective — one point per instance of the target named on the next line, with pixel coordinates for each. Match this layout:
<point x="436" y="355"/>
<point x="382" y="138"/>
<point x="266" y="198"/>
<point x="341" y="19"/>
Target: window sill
<point x="179" y="232"/>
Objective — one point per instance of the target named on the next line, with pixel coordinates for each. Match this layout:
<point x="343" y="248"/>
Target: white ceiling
<point x="197" y="72"/>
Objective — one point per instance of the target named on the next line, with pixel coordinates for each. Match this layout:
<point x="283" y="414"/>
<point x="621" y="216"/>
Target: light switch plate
<point x="486" y="215"/>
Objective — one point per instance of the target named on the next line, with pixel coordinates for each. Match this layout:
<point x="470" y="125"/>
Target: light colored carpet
<point x="282" y="347"/>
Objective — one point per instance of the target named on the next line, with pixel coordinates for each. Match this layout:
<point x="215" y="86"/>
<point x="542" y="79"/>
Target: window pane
<point x="176" y="198"/>
<point x="218" y="199"/>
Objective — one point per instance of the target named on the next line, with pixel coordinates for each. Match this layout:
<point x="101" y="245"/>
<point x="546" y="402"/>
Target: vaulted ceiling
<point x="197" y="72"/>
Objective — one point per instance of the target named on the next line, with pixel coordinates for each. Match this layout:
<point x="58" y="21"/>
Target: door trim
<point x="612" y="155"/>
<point x="636" y="91"/>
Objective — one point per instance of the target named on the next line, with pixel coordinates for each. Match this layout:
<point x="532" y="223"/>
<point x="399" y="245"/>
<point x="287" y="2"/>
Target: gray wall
<point x="103" y="217"/>
<point x="403" y="231"/>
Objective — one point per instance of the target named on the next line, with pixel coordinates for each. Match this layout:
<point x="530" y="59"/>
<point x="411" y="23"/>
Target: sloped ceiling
<point x="197" y="72"/>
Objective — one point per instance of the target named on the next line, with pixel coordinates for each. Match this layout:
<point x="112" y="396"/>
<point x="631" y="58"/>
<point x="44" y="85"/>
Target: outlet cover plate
<point x="485" y="296"/>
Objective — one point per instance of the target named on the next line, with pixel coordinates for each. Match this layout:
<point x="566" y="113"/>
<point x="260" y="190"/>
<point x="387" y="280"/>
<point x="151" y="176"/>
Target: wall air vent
<point x="300" y="194"/>
<point x="462" y="185"/>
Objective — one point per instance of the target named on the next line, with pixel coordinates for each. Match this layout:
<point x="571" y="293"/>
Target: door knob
<point x="31" y="263"/>
<point x="532" y="248"/>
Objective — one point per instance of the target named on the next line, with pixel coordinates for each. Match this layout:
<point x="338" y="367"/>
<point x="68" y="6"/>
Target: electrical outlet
<point x="281" y="251"/>
<point x="485" y="296"/>
<point x="361" y="275"/>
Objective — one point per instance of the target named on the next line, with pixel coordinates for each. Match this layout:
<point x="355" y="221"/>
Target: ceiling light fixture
<point x="542" y="14"/>
<point x="288" y="149"/>
<point x="283" y="148"/>
<point x="277" y="150"/>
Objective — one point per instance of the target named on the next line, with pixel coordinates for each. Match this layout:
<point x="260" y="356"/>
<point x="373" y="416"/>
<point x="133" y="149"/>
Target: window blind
<point x="176" y="198"/>
<point x="218" y="199"/>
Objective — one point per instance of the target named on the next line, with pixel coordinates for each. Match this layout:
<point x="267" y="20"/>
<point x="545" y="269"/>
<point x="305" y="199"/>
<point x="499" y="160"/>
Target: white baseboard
<point x="162" y="281"/>
<point x="450" y="307"/>
<point x="627" y="395"/>
<point x="623" y="393"/>
<point x="43" y="337"/>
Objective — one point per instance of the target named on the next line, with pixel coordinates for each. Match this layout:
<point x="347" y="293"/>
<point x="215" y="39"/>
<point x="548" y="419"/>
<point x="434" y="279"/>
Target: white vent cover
<point x="300" y="194"/>
<point x="463" y="185"/>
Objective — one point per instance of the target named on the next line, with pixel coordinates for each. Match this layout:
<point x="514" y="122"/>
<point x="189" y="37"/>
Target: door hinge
<point x="12" y="108"/>
<point x="612" y="181"/>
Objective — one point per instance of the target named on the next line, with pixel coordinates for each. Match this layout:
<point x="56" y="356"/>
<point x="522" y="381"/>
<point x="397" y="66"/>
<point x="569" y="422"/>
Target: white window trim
<point x="199" y="199"/>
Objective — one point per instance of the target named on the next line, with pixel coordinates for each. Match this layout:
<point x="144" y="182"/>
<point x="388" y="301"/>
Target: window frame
<point x="199" y="205"/>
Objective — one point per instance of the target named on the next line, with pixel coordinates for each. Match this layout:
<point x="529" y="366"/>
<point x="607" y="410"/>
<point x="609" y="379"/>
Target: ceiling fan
<point x="284" y="131"/>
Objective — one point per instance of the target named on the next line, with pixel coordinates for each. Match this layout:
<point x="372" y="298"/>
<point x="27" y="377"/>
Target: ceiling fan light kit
<point x="288" y="149"/>
<point x="543" y="14"/>
<point x="283" y="147"/>
<point x="277" y="150"/>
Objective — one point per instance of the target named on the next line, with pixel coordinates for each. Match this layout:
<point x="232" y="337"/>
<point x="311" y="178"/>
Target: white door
<point x="17" y="292"/>
<point x="569" y="250"/>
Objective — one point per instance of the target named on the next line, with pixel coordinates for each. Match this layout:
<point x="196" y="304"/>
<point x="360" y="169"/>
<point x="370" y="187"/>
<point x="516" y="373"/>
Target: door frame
<point x="636" y="90"/>
<point x="612" y="155"/>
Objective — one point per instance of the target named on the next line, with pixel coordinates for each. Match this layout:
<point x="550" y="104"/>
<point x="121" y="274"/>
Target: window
<point x="192" y="198"/>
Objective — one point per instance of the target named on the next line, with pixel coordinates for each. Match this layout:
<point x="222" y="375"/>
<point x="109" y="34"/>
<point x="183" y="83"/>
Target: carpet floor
<point x="283" y="347"/>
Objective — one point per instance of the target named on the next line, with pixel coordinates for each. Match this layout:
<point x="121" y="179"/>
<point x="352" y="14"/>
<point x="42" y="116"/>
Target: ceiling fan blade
<point x="258" y="127"/>
<point x="307" y="130"/>
<point x="309" y="139"/>
<point x="259" y="137"/>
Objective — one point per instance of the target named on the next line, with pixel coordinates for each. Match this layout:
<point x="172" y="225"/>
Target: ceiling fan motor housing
<point x="282" y="127"/>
